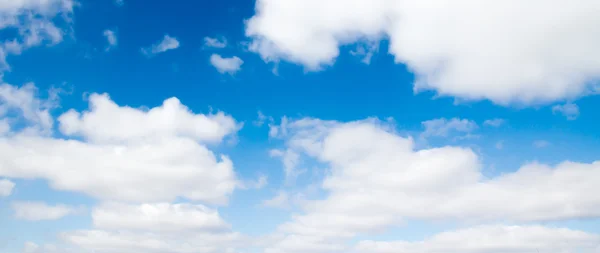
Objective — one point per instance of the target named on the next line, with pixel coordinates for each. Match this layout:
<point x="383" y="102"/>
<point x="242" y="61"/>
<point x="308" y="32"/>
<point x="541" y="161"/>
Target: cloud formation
<point x="431" y="184"/>
<point x="166" y="44"/>
<point x="226" y="65"/>
<point x="469" y="49"/>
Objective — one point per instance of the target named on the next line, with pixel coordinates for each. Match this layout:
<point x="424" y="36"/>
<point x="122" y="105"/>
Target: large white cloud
<point x="377" y="179"/>
<point x="122" y="153"/>
<point x="507" y="51"/>
<point x="489" y="239"/>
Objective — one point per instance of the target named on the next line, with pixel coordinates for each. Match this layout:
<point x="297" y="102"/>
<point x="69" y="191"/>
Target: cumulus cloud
<point x="430" y="184"/>
<point x="219" y="42"/>
<point x="569" y="110"/>
<point x="226" y="65"/>
<point x="111" y="38"/>
<point x="493" y="238"/>
<point x="39" y="211"/>
<point x="161" y="146"/>
<point x="468" y="49"/>
<point x="6" y="187"/>
<point x="166" y="44"/>
<point x="36" y="22"/>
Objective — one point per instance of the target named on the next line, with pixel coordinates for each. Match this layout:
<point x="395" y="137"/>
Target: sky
<point x="299" y="126"/>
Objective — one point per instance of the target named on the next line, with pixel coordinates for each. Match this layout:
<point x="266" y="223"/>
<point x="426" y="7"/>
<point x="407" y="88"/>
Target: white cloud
<point x="290" y="160"/>
<point x="39" y="211"/>
<point x="119" y="2"/>
<point x="495" y="238"/>
<point x="166" y="44"/>
<point x="219" y="42"/>
<point x="158" y="217"/>
<point x="111" y="38"/>
<point x="494" y="122"/>
<point x="6" y="187"/>
<point x="37" y="23"/>
<point x="468" y="49"/>
<point x="171" y="119"/>
<point x="362" y="179"/>
<point x="156" y="228"/>
<point x="226" y="65"/>
<point x="23" y="100"/>
<point x="261" y="119"/>
<point x="569" y="110"/>
<point x="161" y="146"/>
<point x="541" y="143"/>
<point x="443" y="127"/>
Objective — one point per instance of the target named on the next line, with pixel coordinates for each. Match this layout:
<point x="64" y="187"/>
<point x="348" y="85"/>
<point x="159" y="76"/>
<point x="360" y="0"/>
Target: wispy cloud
<point x="166" y="44"/>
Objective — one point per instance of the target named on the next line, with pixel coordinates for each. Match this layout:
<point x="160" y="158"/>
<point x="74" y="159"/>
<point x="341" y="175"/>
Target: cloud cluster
<point x="469" y="49"/>
<point x="36" y="22"/>
<point x="134" y="161"/>
<point x="569" y="110"/>
<point x="385" y="181"/>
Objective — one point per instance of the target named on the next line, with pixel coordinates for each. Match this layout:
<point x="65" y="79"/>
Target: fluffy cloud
<point x="111" y="38"/>
<point x="219" y="42"/>
<point x="226" y="65"/>
<point x="24" y="102"/>
<point x="443" y="127"/>
<point x="36" y="22"/>
<point x="385" y="180"/>
<point x="166" y="44"/>
<point x="38" y="211"/>
<point x="489" y="239"/>
<point x="469" y="49"/>
<point x="6" y="187"/>
<point x="156" y="154"/>
<point x="158" y="217"/>
<point x="569" y="110"/>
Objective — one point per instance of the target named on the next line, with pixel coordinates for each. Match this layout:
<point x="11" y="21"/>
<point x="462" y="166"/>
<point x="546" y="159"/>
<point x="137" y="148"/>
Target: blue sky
<point x="299" y="126"/>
